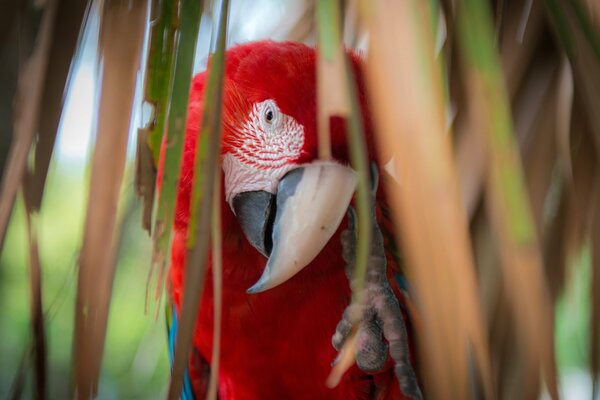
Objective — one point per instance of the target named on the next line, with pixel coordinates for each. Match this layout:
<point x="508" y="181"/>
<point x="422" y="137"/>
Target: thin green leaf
<point x="186" y="37"/>
<point x="207" y="161"/>
<point x="507" y="201"/>
<point x="159" y="72"/>
<point x="331" y="85"/>
<point x="333" y="90"/>
<point x="331" y="52"/>
<point x="338" y="96"/>
<point x="359" y="161"/>
<point x="329" y="26"/>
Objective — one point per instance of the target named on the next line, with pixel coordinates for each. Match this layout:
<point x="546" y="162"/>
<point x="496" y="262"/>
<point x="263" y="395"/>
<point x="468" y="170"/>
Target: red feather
<point x="276" y="344"/>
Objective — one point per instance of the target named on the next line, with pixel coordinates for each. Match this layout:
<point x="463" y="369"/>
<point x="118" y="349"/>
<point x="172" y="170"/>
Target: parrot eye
<point x="270" y="115"/>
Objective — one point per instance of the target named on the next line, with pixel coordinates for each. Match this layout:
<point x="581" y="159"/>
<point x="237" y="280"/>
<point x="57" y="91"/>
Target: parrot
<point x="288" y="245"/>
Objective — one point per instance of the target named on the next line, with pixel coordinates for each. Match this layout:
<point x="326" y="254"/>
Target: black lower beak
<point x="292" y="227"/>
<point x="256" y="213"/>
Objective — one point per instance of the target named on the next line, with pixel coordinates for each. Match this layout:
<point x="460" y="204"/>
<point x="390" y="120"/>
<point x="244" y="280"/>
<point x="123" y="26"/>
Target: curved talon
<point x="382" y="329"/>
<point x="343" y="329"/>
<point x="394" y="331"/>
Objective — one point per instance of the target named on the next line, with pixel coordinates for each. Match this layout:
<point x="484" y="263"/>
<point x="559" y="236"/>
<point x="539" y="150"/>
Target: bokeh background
<point x="135" y="363"/>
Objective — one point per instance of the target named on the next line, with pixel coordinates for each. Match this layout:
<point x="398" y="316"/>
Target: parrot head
<point x="287" y="201"/>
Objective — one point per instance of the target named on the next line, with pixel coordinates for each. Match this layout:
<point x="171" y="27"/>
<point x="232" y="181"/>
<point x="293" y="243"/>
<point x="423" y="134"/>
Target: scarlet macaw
<point x="280" y="321"/>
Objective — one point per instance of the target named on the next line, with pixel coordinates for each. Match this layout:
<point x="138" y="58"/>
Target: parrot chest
<point x="277" y="344"/>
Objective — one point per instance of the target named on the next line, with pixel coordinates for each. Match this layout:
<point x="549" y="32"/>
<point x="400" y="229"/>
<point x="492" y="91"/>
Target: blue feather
<point x="186" y="393"/>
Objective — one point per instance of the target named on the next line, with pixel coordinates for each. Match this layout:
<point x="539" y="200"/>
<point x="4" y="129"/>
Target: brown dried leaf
<point x="518" y="43"/>
<point x="564" y="105"/>
<point x="37" y="309"/>
<point x="352" y="31"/>
<point x="506" y="199"/>
<point x="584" y="161"/>
<point x="8" y="17"/>
<point x="12" y="53"/>
<point x="520" y="40"/>
<point x="556" y="239"/>
<point x="594" y="10"/>
<point x="471" y="157"/>
<point x="71" y="14"/>
<point x="145" y="178"/>
<point x="584" y="59"/>
<point x="28" y="106"/>
<point x="403" y="75"/>
<point x="535" y="127"/>
<point x="122" y="29"/>
<point x="217" y="283"/>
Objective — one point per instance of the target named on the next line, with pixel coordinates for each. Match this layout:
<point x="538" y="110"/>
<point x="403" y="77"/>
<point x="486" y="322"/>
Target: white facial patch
<point x="269" y="144"/>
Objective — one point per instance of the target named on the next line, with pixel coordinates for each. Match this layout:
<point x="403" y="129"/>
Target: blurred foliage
<point x="135" y="363"/>
<point x="572" y="316"/>
<point x="542" y="53"/>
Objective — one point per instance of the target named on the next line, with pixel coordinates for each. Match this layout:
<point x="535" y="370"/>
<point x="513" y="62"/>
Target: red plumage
<point x="275" y="344"/>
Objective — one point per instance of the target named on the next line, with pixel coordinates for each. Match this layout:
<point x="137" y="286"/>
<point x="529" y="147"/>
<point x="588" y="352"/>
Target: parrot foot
<point x="381" y="330"/>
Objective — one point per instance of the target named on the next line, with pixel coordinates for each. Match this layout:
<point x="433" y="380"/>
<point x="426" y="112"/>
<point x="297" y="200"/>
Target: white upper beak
<point x="311" y="203"/>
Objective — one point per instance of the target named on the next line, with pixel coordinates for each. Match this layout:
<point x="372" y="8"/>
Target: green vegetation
<point x="135" y="363"/>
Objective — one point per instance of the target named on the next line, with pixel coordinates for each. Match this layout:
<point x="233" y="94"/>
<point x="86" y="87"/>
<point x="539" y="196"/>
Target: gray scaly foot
<point x="381" y="315"/>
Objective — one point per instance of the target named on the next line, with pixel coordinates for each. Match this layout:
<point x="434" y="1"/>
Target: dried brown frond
<point x="71" y="14"/>
<point x="97" y="260"/>
<point x="27" y="109"/>
<point x="403" y="75"/>
<point x="145" y="179"/>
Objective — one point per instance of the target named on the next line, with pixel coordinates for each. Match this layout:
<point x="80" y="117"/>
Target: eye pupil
<point x="269" y="115"/>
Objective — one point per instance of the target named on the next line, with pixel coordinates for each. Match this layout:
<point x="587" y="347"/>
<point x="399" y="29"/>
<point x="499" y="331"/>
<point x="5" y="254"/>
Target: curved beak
<point x="293" y="226"/>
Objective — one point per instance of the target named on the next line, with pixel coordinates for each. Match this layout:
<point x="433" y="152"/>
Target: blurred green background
<point x="135" y="362"/>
